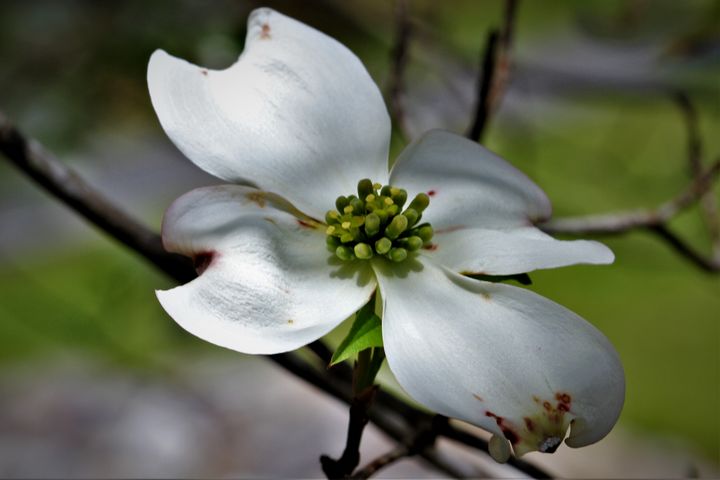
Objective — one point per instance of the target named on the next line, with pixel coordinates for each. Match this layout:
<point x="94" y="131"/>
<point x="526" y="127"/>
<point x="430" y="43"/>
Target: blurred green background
<point x="588" y="116"/>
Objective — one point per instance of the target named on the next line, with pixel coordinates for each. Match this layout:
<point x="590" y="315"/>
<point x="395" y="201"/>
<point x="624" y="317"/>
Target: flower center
<point x="373" y="222"/>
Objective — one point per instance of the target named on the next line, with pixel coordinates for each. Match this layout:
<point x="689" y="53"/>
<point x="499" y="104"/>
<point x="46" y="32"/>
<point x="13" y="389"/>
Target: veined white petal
<point x="298" y="114"/>
<point x="483" y="210"/>
<point x="267" y="282"/>
<point x="497" y="356"/>
<point x="507" y="252"/>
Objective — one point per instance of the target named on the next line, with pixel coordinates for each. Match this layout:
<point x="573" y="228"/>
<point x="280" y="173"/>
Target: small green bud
<point x="357" y="221"/>
<point x="365" y="188"/>
<point x="348" y="209"/>
<point x="330" y="230"/>
<point x="363" y="251"/>
<point x="344" y="253"/>
<point x="420" y="202"/>
<point x="413" y="243"/>
<point x="341" y="202"/>
<point x="385" y="191"/>
<point x="397" y="226"/>
<point x="393" y="210"/>
<point x="425" y="232"/>
<point x="412" y="216"/>
<point x="331" y="216"/>
<point x="399" y="196"/>
<point x="372" y="224"/>
<point x="347" y="237"/>
<point x="397" y="254"/>
<point x="332" y="242"/>
<point x="383" y="246"/>
<point x="358" y="205"/>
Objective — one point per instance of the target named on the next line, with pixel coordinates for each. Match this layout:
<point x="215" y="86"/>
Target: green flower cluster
<point x="374" y="223"/>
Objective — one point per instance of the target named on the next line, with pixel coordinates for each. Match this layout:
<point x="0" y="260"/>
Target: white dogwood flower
<point x="303" y="237"/>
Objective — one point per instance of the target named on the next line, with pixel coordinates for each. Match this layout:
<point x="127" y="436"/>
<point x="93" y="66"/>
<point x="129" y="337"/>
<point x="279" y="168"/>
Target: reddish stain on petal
<point x="431" y="193"/>
<point x="265" y="33"/>
<point x="431" y="247"/>
<point x="305" y="224"/>
<point x="204" y="72"/>
<point x="202" y="261"/>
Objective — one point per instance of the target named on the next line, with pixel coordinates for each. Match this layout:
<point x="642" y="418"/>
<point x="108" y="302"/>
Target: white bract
<point x="294" y="124"/>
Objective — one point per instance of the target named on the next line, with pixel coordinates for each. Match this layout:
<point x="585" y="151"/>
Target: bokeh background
<point x="95" y="380"/>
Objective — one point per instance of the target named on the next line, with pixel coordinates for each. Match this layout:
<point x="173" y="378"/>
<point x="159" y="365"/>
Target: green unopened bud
<point x="393" y="210"/>
<point x="346" y="237"/>
<point x="399" y="196"/>
<point x="365" y="188"/>
<point x="357" y="221"/>
<point x="382" y="214"/>
<point x="348" y="209"/>
<point x="372" y="224"/>
<point x="413" y="243"/>
<point x="331" y="216"/>
<point x="412" y="215"/>
<point x="397" y="226"/>
<point x="425" y="232"/>
<point x="385" y="191"/>
<point x="397" y="254"/>
<point x="420" y="202"/>
<point x="341" y="202"/>
<point x="363" y="251"/>
<point x="332" y="242"/>
<point x="383" y="246"/>
<point x="358" y="205"/>
<point x="344" y="253"/>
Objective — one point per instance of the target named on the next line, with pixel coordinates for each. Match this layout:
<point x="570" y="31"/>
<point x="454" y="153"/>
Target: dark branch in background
<point x="494" y="72"/>
<point x="396" y="418"/>
<point x="69" y="188"/>
<point x="708" y="203"/>
<point x="399" y="57"/>
<point x="656" y="220"/>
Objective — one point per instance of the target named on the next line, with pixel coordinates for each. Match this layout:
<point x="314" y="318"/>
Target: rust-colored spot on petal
<point x="430" y="247"/>
<point x="202" y="261"/>
<point x="204" y="71"/>
<point x="529" y="424"/>
<point x="547" y="406"/>
<point x="305" y="224"/>
<point x="431" y="193"/>
<point x="257" y="198"/>
<point x="453" y="228"/>
<point x="477" y="397"/>
<point x="509" y="433"/>
<point x="265" y="32"/>
<point x="563" y="397"/>
<point x="485" y="295"/>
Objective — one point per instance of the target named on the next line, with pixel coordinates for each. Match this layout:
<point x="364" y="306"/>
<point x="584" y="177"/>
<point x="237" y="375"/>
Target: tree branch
<point x="398" y="64"/>
<point x="654" y="220"/>
<point x="494" y="73"/>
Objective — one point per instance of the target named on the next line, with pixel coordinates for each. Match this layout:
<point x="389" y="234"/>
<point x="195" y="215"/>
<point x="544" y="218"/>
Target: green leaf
<point x="366" y="332"/>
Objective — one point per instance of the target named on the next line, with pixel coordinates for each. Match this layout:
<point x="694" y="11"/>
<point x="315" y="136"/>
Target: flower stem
<point x="364" y="372"/>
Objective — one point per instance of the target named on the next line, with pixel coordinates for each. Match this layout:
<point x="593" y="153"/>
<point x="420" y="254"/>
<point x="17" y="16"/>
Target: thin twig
<point x="396" y="418"/>
<point x="708" y="202"/>
<point x="654" y="220"/>
<point x="494" y="73"/>
<point x="398" y="64"/>
<point x="399" y="452"/>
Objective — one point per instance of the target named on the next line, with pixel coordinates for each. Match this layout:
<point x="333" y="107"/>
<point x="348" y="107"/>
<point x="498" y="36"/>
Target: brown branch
<point x="398" y="453"/>
<point x="393" y="416"/>
<point x="654" y="220"/>
<point x="398" y="64"/>
<point x="708" y="203"/>
<point x="494" y="72"/>
<point x="71" y="189"/>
